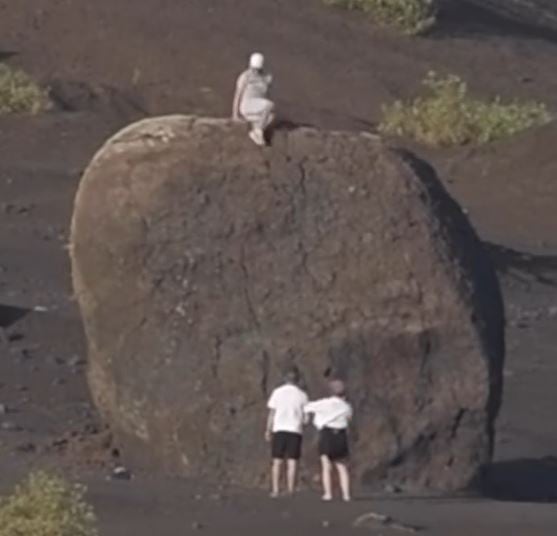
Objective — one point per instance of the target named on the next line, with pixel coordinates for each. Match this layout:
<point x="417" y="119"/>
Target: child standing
<point x="331" y="416"/>
<point x="284" y="429"/>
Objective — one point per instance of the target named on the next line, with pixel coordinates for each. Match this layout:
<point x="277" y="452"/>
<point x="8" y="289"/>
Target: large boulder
<point x="203" y="265"/>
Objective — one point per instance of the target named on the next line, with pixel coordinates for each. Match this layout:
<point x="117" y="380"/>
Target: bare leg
<point x="275" y="477"/>
<point x="261" y="123"/>
<point x="268" y="116"/>
<point x="326" y="478"/>
<point x="292" y="466"/>
<point x="344" y="479"/>
<point x="270" y="119"/>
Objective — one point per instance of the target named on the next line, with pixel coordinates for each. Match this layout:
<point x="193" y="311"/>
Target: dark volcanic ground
<point x="111" y="62"/>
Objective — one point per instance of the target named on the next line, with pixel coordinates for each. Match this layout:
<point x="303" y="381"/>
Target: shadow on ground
<point x="7" y="54"/>
<point x="288" y="125"/>
<point x="523" y="266"/>
<point x="464" y="19"/>
<point x="9" y="315"/>
<point x="523" y="480"/>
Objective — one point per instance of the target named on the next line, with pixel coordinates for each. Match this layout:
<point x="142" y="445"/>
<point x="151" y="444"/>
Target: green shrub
<point x="448" y="115"/>
<point x="46" y="505"/>
<point x="19" y="93"/>
<point x="410" y="16"/>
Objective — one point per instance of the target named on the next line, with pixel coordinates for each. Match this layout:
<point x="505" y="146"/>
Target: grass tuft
<point x="46" y="505"/>
<point x="19" y="93"/>
<point x="448" y="115"/>
<point x="409" y="16"/>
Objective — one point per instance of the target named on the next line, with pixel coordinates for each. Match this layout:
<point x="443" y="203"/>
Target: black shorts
<point x="333" y="443"/>
<point x="286" y="445"/>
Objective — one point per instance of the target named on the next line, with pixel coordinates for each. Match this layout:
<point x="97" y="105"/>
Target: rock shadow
<point x="523" y="266"/>
<point x="7" y="54"/>
<point x="283" y="125"/>
<point x="9" y="315"/>
<point x="469" y="19"/>
<point x="486" y="292"/>
<point x="521" y="480"/>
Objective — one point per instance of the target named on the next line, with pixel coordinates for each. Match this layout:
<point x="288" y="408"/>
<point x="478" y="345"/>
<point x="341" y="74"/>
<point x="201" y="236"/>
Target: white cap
<point x="256" y="61"/>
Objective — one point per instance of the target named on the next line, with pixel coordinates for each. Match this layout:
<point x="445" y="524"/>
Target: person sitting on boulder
<point x="284" y="429"/>
<point x="250" y="99"/>
<point x="331" y="416"/>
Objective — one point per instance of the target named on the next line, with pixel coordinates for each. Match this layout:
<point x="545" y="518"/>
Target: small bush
<point x="410" y="16"/>
<point x="448" y="115"/>
<point x="46" y="505"/>
<point x="19" y="93"/>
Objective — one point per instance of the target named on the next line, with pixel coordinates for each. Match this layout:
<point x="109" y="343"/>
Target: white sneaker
<point x="257" y="137"/>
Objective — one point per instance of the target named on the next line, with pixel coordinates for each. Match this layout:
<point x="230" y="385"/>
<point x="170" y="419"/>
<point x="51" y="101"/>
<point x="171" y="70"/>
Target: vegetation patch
<point x="46" y="505"/>
<point x="449" y="115"/>
<point x="19" y="93"/>
<point x="409" y="16"/>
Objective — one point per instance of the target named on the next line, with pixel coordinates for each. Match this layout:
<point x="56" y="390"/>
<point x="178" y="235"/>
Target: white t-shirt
<point x="332" y="412"/>
<point x="288" y="402"/>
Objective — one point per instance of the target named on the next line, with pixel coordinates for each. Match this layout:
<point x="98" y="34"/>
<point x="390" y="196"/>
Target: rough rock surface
<point x="203" y="265"/>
